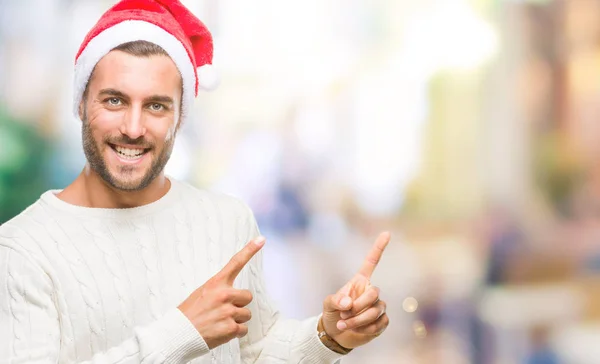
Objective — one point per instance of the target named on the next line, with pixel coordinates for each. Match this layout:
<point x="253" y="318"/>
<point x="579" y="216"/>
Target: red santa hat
<point x="166" y="23"/>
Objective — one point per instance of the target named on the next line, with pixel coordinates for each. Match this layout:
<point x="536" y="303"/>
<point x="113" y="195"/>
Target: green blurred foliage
<point x="24" y="155"/>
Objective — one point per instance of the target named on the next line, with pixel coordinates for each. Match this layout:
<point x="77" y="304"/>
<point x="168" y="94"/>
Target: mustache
<point x="124" y="139"/>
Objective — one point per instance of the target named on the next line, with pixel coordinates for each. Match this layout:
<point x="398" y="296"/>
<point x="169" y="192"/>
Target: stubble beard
<point x="97" y="163"/>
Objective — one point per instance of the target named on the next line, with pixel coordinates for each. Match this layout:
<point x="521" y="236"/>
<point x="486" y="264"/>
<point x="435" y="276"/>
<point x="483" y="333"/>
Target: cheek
<point x="102" y="121"/>
<point x="98" y="131"/>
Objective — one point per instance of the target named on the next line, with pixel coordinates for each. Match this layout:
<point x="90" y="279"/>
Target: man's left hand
<point x="355" y="315"/>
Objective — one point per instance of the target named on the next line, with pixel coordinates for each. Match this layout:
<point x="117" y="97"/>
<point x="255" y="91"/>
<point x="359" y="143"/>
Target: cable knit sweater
<point x="103" y="285"/>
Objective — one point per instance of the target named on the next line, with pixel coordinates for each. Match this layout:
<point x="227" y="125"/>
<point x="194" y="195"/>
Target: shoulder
<point x="23" y="232"/>
<point x="17" y="227"/>
<point x="222" y="212"/>
<point x="213" y="202"/>
<point x="22" y="257"/>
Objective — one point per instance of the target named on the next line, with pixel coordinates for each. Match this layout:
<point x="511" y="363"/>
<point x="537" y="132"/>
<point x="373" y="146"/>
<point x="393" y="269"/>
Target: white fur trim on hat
<point x="128" y="31"/>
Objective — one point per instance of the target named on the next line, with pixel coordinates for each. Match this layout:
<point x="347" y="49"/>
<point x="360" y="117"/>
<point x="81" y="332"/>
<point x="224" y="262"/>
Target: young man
<point x="126" y="265"/>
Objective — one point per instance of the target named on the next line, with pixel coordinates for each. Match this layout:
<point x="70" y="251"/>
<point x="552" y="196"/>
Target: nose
<point x="133" y="123"/>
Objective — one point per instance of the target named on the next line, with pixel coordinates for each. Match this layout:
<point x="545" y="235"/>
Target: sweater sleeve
<point x="30" y="329"/>
<point x="271" y="338"/>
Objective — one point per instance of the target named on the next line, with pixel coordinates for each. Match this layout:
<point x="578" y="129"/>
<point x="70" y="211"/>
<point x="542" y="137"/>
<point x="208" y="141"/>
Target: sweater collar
<point x="169" y="199"/>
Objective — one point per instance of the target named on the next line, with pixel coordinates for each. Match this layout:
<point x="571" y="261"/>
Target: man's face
<point x="130" y="118"/>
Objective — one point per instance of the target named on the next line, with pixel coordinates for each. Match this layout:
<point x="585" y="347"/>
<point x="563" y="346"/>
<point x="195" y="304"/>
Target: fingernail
<point x="344" y="315"/>
<point x="341" y="325"/>
<point x="345" y="302"/>
<point x="260" y="241"/>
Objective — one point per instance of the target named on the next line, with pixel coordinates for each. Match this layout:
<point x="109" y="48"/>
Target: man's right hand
<point x="216" y="309"/>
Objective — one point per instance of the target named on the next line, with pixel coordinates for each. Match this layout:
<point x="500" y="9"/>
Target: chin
<point x="128" y="181"/>
<point x="126" y="184"/>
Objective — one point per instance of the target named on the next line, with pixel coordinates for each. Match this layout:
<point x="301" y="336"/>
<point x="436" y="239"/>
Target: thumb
<point x="337" y="302"/>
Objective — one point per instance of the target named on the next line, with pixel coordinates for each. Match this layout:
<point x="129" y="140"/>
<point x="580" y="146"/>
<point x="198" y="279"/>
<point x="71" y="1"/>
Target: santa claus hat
<point x="166" y="23"/>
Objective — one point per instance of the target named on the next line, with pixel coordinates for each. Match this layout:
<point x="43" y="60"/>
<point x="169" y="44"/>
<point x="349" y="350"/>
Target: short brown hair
<point x="141" y="48"/>
<point x="138" y="48"/>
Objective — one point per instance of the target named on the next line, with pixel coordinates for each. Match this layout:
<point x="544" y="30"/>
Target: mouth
<point x="128" y="153"/>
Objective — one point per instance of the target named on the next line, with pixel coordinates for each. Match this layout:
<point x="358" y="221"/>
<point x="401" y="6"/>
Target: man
<point x="126" y="265"/>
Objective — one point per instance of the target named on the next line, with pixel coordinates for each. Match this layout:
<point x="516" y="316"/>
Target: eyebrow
<point x="159" y="98"/>
<point x="153" y="98"/>
<point x="112" y="92"/>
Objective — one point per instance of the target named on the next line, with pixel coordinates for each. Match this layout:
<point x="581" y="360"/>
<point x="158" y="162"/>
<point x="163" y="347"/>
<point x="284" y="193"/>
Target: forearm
<point x="271" y="338"/>
<point x="31" y="329"/>
<point x="170" y="339"/>
<point x="290" y="341"/>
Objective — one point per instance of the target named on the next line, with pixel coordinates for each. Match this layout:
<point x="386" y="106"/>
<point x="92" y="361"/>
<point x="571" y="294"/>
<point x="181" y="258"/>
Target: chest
<point x="117" y="275"/>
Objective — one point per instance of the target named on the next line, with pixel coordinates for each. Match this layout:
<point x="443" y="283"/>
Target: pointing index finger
<point x="235" y="265"/>
<point x="374" y="255"/>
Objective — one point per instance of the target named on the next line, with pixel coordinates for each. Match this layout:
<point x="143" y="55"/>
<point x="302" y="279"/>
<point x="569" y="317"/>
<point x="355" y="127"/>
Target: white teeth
<point x="128" y="152"/>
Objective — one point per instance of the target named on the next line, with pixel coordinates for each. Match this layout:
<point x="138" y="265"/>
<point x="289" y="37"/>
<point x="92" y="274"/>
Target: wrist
<point x="328" y="341"/>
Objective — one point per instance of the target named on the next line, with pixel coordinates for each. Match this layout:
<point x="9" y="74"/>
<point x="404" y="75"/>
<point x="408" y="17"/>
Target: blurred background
<point x="468" y="128"/>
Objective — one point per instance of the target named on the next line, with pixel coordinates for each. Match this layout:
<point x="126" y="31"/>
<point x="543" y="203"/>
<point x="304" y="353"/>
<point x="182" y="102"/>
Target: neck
<point x="90" y="190"/>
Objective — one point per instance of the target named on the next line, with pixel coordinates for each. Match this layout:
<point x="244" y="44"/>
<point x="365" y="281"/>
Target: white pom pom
<point x="208" y="77"/>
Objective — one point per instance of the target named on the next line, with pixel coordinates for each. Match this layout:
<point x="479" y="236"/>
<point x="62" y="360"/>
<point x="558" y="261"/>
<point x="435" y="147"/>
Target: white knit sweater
<point x="102" y="285"/>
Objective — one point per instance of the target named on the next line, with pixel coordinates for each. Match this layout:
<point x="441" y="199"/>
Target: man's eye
<point x="157" y="107"/>
<point x="114" y="101"/>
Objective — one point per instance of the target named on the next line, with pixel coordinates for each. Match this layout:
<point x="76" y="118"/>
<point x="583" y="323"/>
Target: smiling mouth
<point x="129" y="153"/>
